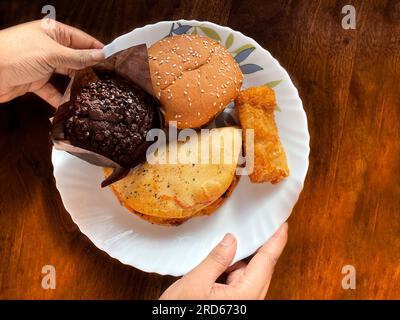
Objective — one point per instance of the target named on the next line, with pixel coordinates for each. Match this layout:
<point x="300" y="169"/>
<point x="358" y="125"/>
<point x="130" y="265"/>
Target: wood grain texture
<point x="349" y="210"/>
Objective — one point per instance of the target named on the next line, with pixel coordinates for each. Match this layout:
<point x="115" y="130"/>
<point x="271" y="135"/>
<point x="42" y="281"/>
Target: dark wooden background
<point x="349" y="210"/>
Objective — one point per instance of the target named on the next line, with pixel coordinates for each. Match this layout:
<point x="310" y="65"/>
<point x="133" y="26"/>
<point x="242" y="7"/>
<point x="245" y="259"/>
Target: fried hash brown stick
<point x="255" y="107"/>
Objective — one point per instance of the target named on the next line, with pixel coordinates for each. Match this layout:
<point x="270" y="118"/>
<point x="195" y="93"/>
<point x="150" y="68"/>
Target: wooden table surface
<point x="348" y="212"/>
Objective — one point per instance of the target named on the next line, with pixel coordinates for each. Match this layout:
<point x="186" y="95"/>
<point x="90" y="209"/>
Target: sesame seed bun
<point x="194" y="77"/>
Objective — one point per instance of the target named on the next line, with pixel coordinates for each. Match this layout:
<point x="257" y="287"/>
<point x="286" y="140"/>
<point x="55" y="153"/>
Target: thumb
<point x="218" y="260"/>
<point x="77" y="59"/>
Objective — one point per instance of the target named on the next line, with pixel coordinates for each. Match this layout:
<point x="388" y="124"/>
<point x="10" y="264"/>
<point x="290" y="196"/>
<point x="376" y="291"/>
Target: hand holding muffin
<point x="29" y="54"/>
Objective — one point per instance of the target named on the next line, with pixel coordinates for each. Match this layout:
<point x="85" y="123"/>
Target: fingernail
<point x="228" y="240"/>
<point x="97" y="55"/>
<point x="283" y="228"/>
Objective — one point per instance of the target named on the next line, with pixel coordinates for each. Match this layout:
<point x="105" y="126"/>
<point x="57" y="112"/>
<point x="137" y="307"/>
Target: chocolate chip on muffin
<point x="111" y="117"/>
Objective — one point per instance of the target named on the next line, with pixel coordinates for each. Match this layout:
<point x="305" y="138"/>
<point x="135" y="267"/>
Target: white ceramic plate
<point x="252" y="214"/>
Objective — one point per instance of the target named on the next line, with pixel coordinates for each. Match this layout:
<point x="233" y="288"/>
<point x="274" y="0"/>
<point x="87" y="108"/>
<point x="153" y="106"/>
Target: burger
<point x="194" y="78"/>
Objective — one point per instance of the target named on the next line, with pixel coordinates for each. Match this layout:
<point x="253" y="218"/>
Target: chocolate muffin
<point x="111" y="117"/>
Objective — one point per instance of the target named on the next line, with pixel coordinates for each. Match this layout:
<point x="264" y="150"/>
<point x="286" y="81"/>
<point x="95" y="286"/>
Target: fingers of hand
<point x="76" y="59"/>
<point x="11" y="93"/>
<point x="74" y="49"/>
<point x="217" y="261"/>
<point x="74" y="38"/>
<point x="50" y="94"/>
<point x="261" y="267"/>
<point x="235" y="272"/>
<point x="65" y="71"/>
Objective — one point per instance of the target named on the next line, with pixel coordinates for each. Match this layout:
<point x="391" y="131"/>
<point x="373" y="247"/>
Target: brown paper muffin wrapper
<point x="130" y="64"/>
